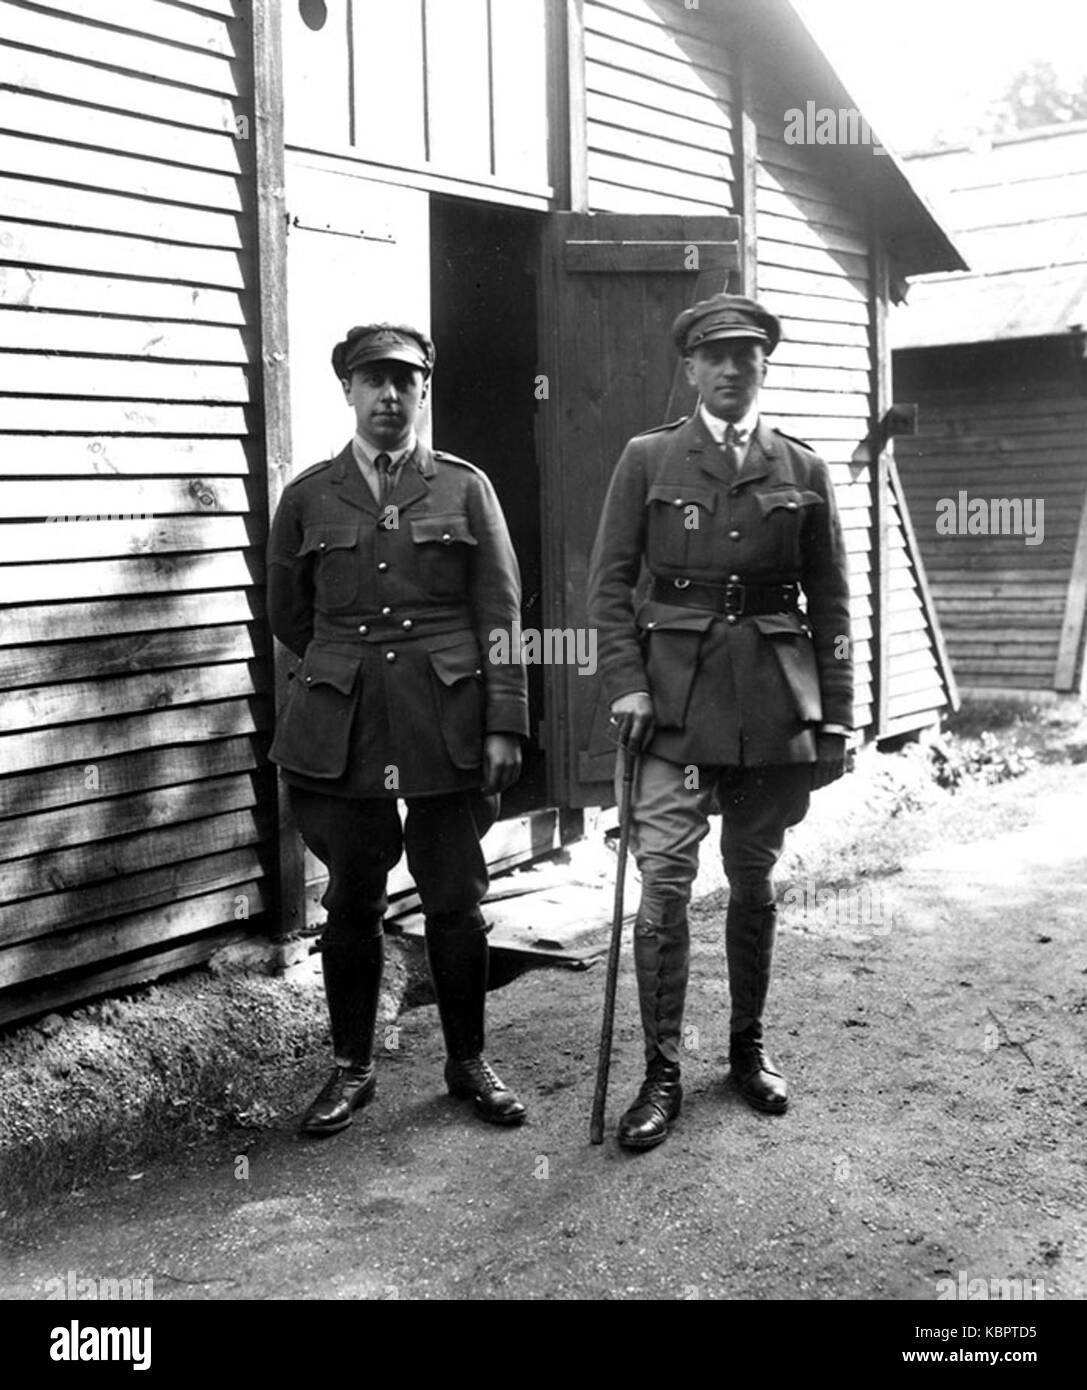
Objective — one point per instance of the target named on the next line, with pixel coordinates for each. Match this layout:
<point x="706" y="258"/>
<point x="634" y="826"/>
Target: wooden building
<point x="199" y="197"/>
<point x="997" y="362"/>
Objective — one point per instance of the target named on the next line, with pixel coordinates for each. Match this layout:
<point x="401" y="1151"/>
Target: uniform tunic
<point x="740" y="691"/>
<point x="391" y="611"/>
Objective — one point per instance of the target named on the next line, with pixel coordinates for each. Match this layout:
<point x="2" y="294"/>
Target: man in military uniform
<point x="733" y="680"/>
<point x="390" y="569"/>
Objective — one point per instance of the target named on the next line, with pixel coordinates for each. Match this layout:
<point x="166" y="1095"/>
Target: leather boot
<point x="456" y="946"/>
<point x="655" y="1109"/>
<point x="661" y="963"/>
<point x="749" y="944"/>
<point x="352" y="967"/>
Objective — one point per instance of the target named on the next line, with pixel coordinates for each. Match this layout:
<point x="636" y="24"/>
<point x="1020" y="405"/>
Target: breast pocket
<point x="443" y="546"/>
<point x="785" y="512"/>
<point x="679" y="517"/>
<point x="337" y="565"/>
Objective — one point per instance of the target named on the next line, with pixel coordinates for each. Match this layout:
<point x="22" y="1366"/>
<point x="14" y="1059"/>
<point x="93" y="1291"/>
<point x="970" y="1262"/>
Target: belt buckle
<point x="735" y="594"/>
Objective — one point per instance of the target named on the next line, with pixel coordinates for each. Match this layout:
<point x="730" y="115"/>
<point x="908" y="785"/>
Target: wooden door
<point x="611" y="285"/>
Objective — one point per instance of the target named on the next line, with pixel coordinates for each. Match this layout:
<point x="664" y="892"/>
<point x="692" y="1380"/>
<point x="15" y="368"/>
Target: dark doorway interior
<point x="483" y="321"/>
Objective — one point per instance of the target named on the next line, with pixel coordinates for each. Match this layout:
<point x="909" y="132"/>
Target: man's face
<point x="727" y="374"/>
<point x="387" y="398"/>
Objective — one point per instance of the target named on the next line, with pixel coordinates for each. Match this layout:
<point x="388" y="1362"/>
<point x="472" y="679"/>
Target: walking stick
<point x="603" y="1062"/>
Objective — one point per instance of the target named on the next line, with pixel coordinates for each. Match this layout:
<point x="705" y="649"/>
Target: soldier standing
<point x="390" y="569"/>
<point x="733" y="679"/>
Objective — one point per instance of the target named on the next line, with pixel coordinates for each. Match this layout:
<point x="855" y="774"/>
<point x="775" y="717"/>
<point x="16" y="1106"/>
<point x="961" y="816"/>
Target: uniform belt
<point x="734" y="599"/>
<point x="402" y="624"/>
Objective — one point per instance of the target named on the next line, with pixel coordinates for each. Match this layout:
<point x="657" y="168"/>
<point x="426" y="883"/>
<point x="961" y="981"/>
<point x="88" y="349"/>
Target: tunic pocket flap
<point x="792" y="499"/>
<point x="456" y="663"/>
<point x="319" y="539"/>
<point x="663" y="617"/>
<point x="442" y="530"/>
<point x="780" y="624"/>
<point x="330" y="668"/>
<point x="683" y="495"/>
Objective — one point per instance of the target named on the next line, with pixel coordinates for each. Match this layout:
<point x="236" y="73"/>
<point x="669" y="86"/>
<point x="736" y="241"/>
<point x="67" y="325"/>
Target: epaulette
<point x="658" y="429"/>
<point x="793" y="440"/>
<point x="308" y="472"/>
<point x="454" y="458"/>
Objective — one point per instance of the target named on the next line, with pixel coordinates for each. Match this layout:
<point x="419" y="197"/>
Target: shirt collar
<point x="365" y="451"/>
<point x="717" y="427"/>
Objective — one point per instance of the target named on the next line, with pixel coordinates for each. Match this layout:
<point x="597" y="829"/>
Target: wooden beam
<point x="744" y="184"/>
<point x="288" y="909"/>
<point x="1072" y="629"/>
<point x="881" y="399"/>
<point x="576" y="134"/>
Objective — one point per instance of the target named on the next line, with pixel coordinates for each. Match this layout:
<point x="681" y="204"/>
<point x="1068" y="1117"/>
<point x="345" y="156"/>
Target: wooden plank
<point x="1074" y="625"/>
<point x="746" y="164"/>
<point x="48" y="118"/>
<point x="35" y="414"/>
<point x="573" y="107"/>
<point x="22" y="1005"/>
<point x="787" y="204"/>
<point x="94" y="294"/>
<point x="802" y="282"/>
<point x="96" y="821"/>
<point x="713" y="137"/>
<point x="34" y="374"/>
<point x="651" y="149"/>
<point x="110" y="48"/>
<point x="677" y="73"/>
<point x="80" y="333"/>
<point x="85" y="743"/>
<point x="799" y="233"/>
<point x="110" y="859"/>
<point x="672" y="39"/>
<point x="153" y="18"/>
<point x="109" y="656"/>
<point x="458" y="88"/>
<point x="49" y="788"/>
<point x="388" y="86"/>
<point x="119" y="173"/>
<point x="61" y="951"/>
<point x="813" y="403"/>
<point x="690" y="21"/>
<point x="111" y="457"/>
<point x="52" y="75"/>
<point x="789" y="353"/>
<point x="838" y="379"/>
<point x="109" y="618"/>
<point x="791" y="306"/>
<point x="519" y="93"/>
<point x="129" y="577"/>
<point x="694" y="103"/>
<point x="790" y="256"/>
<point x="642" y="257"/>
<point x="91" y="210"/>
<point x="111" y="498"/>
<point x="97" y="902"/>
<point x="56" y="704"/>
<point x="613" y="197"/>
<point x="26" y="244"/>
<point x="633" y="173"/>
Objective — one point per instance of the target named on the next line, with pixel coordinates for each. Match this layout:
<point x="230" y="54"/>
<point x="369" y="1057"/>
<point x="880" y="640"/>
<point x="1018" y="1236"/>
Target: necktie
<point x="732" y="446"/>
<point x="384" y="465"/>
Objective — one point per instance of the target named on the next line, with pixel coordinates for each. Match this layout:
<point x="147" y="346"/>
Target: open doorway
<point x="483" y="321"/>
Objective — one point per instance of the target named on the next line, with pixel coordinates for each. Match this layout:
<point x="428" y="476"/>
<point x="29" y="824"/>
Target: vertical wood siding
<point x="814" y="270"/>
<point x="660" y="93"/>
<point x="134" y="811"/>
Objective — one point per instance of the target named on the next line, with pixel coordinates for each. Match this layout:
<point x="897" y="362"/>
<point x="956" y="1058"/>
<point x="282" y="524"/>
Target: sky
<point x="916" y="67"/>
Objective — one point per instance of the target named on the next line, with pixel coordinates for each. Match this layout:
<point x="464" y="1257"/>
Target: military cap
<point x="382" y="342"/>
<point x="725" y="316"/>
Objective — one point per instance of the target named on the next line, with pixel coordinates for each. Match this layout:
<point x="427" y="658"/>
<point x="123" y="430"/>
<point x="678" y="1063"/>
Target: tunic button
<point x="792" y="506"/>
<point x="731" y="618"/>
<point x="734" y="579"/>
<point x="322" y="545"/>
<point x="309" y="680"/>
<point x="382" y="567"/>
<point x="678" y="502"/>
<point x="385" y="612"/>
<point x="390" y="656"/>
<point x="734" y="535"/>
<point x="407" y="624"/>
<point x="446" y="538"/>
<point x="363" y="630"/>
<point x="649" y="626"/>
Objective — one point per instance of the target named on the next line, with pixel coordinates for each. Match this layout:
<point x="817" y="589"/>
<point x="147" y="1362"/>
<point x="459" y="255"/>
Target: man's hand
<point x="632" y="716"/>
<point x="501" y="762"/>
<point x="832" y="760"/>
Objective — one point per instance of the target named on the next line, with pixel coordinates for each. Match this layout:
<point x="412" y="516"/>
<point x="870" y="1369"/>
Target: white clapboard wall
<point x="135" y="817"/>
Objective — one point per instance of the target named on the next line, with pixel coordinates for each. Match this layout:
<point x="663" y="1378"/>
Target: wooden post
<point x="576" y="135"/>
<point x="877" y="467"/>
<point x="288" y="909"/>
<point x="746" y="170"/>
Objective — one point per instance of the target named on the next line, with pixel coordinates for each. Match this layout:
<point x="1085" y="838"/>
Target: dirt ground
<point x="928" y="1008"/>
